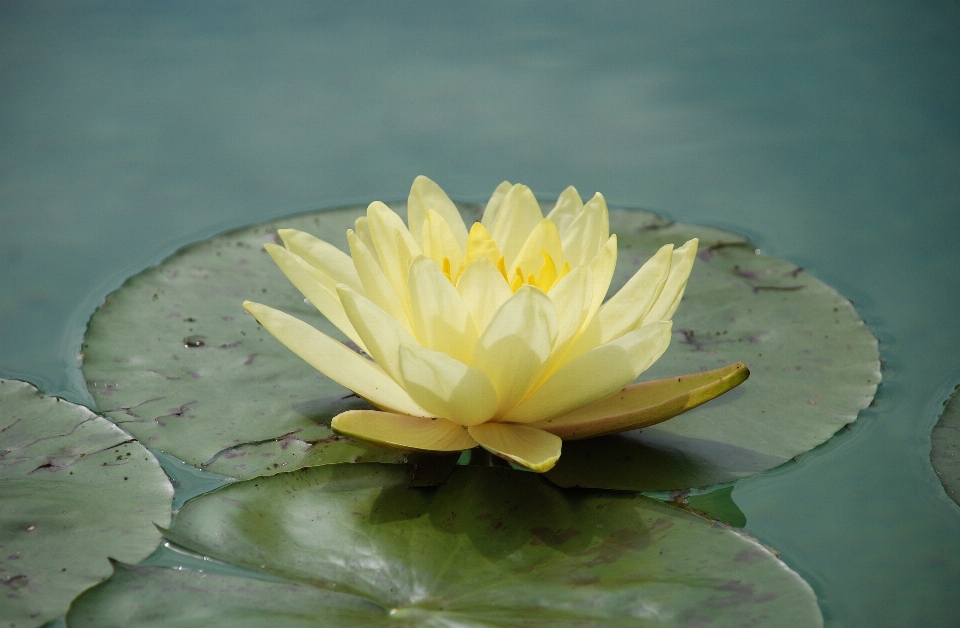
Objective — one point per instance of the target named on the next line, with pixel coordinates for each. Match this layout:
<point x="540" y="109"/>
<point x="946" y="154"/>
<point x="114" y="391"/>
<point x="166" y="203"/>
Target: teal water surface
<point x="825" y="131"/>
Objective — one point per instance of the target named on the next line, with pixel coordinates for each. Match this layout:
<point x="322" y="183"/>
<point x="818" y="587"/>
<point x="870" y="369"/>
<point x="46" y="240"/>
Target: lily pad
<point x="716" y="504"/>
<point x="813" y="366"/>
<point x="75" y="489"/>
<point x="945" y="447"/>
<point x="173" y="359"/>
<point x="144" y="596"/>
<point x="490" y="547"/>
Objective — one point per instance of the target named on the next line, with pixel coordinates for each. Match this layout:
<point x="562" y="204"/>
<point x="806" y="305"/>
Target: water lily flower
<point x="496" y="336"/>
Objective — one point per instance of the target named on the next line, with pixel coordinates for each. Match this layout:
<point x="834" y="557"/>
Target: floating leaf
<point x="945" y="447"/>
<point x="145" y="597"/>
<point x="716" y="504"/>
<point x="490" y="547"/>
<point x="173" y="359"/>
<point x="74" y="489"/>
<point x="430" y="469"/>
<point x="287" y="453"/>
<point x="813" y="366"/>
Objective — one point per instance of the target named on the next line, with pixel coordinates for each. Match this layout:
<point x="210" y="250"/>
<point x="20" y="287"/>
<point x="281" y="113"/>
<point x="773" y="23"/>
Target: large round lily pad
<point x="490" y="547"/>
<point x="945" y="447"/>
<point x="173" y="359"/>
<point x="813" y="366"/>
<point x="74" y="490"/>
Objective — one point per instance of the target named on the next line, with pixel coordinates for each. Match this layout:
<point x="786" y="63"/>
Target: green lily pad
<point x="172" y="358"/>
<point x="813" y="366"/>
<point x="144" y="597"/>
<point x="288" y="453"/>
<point x="945" y="447"/>
<point x="242" y="405"/>
<point x="74" y="489"/>
<point x="490" y="547"/>
<point x="717" y="504"/>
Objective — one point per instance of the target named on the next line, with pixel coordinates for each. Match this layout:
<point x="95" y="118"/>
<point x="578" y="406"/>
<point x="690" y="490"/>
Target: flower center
<point x="545" y="278"/>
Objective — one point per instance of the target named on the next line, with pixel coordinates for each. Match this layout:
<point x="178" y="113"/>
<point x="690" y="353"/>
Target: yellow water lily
<point x="496" y="336"/>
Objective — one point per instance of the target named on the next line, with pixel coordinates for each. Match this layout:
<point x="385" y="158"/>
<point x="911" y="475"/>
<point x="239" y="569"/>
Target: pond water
<point x="826" y="132"/>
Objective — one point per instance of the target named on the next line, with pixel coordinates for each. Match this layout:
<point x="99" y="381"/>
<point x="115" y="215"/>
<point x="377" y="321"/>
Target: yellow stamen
<point x="503" y="268"/>
<point x="446" y="267"/>
<point x="548" y="273"/>
<point x="517" y="281"/>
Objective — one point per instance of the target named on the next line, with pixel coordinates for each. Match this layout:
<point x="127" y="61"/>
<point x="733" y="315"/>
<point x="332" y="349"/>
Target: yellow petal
<point x="383" y="222"/>
<point x="645" y="404"/>
<point x="404" y="257"/>
<point x="384" y="226"/>
<point x="425" y="195"/>
<point x="568" y="207"/>
<point x="481" y="244"/>
<point x="321" y="255"/>
<point x="625" y="310"/>
<point x="376" y="287"/>
<point x="438" y="241"/>
<point x="596" y="374"/>
<point x="493" y="205"/>
<point x="319" y="289"/>
<point x="446" y="387"/>
<point x="532" y="448"/>
<point x="515" y="345"/>
<point x="441" y="320"/>
<point x="582" y="239"/>
<point x="381" y="334"/>
<point x="334" y="360"/>
<point x="362" y="228"/>
<point x="680" y="268"/>
<point x="483" y="290"/>
<point x="608" y="325"/>
<point x="571" y="298"/>
<point x="603" y="265"/>
<point x="588" y="335"/>
<point x="543" y="239"/>
<point x="515" y="218"/>
<point x="601" y="203"/>
<point x="402" y="431"/>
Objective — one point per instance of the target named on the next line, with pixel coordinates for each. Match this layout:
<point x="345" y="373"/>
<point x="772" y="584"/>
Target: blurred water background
<point x="829" y="132"/>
